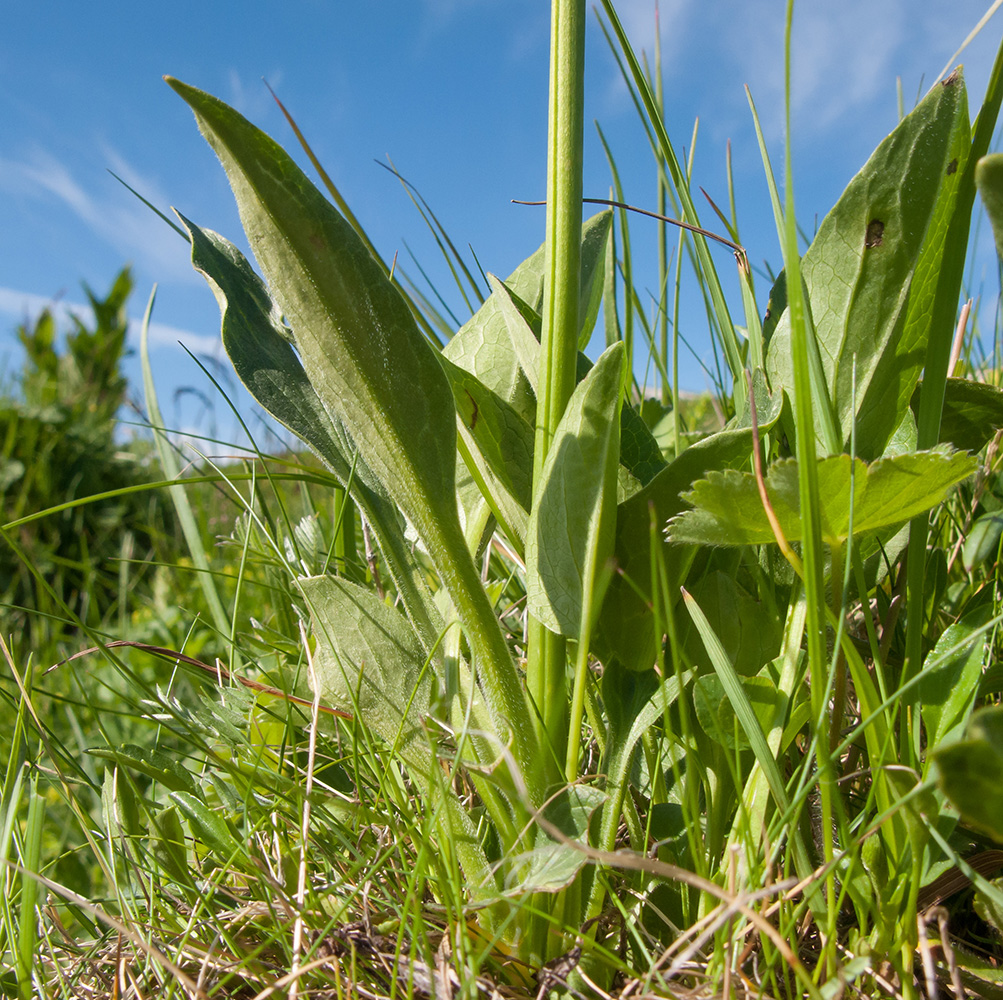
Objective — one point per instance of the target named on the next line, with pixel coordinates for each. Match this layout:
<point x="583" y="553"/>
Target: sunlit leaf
<point x="859" y="268"/>
<point x="570" y="532"/>
<point x="728" y="509"/>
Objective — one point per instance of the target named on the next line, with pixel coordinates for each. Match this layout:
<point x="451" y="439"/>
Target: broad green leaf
<point x="364" y="355"/>
<point x="729" y="511"/>
<point x="859" y="268"/>
<point x="640" y="457"/>
<point x="483" y="345"/>
<point x="355" y="335"/>
<point x="155" y="764"/>
<point x="921" y="324"/>
<point x="971" y="772"/>
<point x="950" y="679"/>
<point x="523" y="325"/>
<point x="626" y="624"/>
<point x="552" y="864"/>
<point x="768" y="404"/>
<point x="571" y="526"/>
<point x="973" y="412"/>
<point x="983" y="540"/>
<point x="257" y="342"/>
<point x="368" y="662"/>
<point x="989" y="180"/>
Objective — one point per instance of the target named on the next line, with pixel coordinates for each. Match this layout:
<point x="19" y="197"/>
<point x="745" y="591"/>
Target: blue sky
<point x="453" y="90"/>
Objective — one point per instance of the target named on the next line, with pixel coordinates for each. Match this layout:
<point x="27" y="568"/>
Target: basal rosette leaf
<point x="373" y="370"/>
<point x="258" y="345"/>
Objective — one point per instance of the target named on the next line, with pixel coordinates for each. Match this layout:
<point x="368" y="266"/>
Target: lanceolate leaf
<point x="859" y="269"/>
<point x="257" y="344"/>
<point x="501" y="439"/>
<point x="367" y="660"/>
<point x="355" y="335"/>
<point x="364" y="355"/>
<point x="570" y="533"/>
<point x="729" y="511"/>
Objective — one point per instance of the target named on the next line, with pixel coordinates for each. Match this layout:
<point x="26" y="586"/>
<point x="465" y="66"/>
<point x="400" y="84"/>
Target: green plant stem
<point x="546" y="651"/>
<point x="809" y="499"/>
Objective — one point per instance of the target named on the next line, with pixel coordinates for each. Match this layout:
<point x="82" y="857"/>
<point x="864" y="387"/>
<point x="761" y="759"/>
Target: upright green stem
<point x="809" y="497"/>
<point x="546" y="652"/>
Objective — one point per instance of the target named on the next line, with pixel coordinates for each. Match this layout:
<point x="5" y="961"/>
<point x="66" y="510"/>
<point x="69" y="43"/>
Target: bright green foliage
<point x="573" y="676"/>
<point x="856" y="498"/>
<point x="571" y="528"/>
<point x="989" y="178"/>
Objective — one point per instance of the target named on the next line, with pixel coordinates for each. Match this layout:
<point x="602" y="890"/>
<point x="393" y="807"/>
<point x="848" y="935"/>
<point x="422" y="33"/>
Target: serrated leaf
<point x="728" y="509"/>
<point x="570" y="531"/>
<point x="859" y="269"/>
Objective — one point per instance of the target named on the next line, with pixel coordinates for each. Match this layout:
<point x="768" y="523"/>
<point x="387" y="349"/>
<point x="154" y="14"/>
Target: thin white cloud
<point x="26" y="306"/>
<point x="108" y="209"/>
